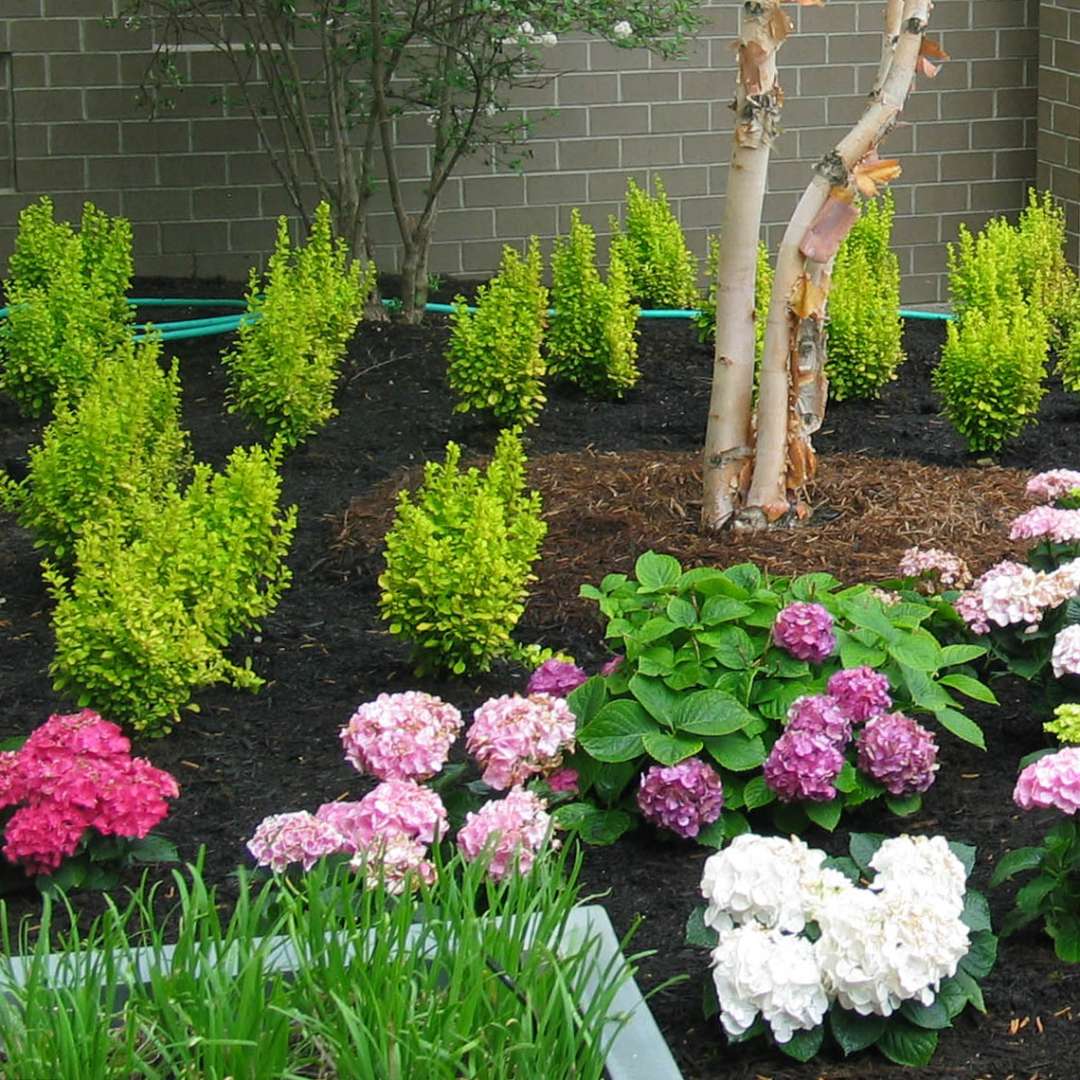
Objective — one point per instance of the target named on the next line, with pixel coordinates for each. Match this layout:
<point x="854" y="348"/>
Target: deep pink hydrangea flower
<point x="820" y="713"/>
<point x="283" y="839"/>
<point x="41" y="836"/>
<point x="803" y="765"/>
<point x="514" y="737"/>
<point x="395" y="806"/>
<point x="1052" y="484"/>
<point x="555" y="677"/>
<point x="612" y="665"/>
<point x="401" y="736"/>
<point x="861" y="692"/>
<point x="1052" y="782"/>
<point x="683" y="797"/>
<point x="899" y="753"/>
<point x="805" y="631"/>
<point x="519" y="822"/>
<point x="564" y="780"/>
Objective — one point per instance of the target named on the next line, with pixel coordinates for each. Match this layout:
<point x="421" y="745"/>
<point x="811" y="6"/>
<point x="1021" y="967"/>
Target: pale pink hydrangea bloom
<point x="514" y="737"/>
<point x="1052" y="782"/>
<point x="395" y="861"/>
<point x="936" y="568"/>
<point x="805" y="631"/>
<point x="885" y="597"/>
<point x="401" y="736"/>
<point x="555" y="677"/>
<point x="519" y="822"/>
<point x="682" y="797"/>
<point x="1053" y="484"/>
<point x="1008" y="593"/>
<point x="300" y="837"/>
<point x="821" y="713"/>
<point x="1065" y="656"/>
<point x="395" y="806"/>
<point x="860" y="692"/>
<point x="1047" y="523"/>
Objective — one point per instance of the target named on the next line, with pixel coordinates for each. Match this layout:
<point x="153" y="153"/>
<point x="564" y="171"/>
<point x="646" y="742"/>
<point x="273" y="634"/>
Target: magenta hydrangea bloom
<point x="564" y="780"/>
<point x="395" y="806"/>
<point x="612" y="665"/>
<point x="899" y="753"/>
<point x="803" y="765"/>
<point x="401" y="736"/>
<point x="555" y="677"/>
<point x="283" y="839"/>
<point x="519" y="822"/>
<point x="805" y="631"/>
<point x="861" y="692"/>
<point x="513" y="737"/>
<point x="1052" y="782"/>
<point x="682" y="797"/>
<point x="820" y="713"/>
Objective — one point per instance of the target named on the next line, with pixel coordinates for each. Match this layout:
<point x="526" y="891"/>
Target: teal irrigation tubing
<point x="166" y="301"/>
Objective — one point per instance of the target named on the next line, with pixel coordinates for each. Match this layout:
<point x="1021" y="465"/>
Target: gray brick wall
<point x="1059" y="110"/>
<point x="203" y="200"/>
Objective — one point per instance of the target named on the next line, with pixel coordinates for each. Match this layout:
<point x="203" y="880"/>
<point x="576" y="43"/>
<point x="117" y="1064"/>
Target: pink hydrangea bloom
<point x="513" y="737"/>
<point x="821" y="713"/>
<point x="803" y="765"/>
<point x="131" y="801"/>
<point x="898" y="753"/>
<point x="396" y="861"/>
<point x="395" y="806"/>
<point x="401" y="736"/>
<point x="1008" y="593"/>
<point x="1047" y="523"/>
<point x="1052" y="782"/>
<point x="41" y="836"/>
<point x="936" y="568"/>
<point x="564" y="780"/>
<point x="1052" y="484"/>
<point x="300" y="837"/>
<point x="805" y="631"/>
<point x="861" y="692"/>
<point x="555" y="677"/>
<point x="612" y="665"/>
<point x="518" y="822"/>
<point x="682" y="797"/>
<point x="1065" y="656"/>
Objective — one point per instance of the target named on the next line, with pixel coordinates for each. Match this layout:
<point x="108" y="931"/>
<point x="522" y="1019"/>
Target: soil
<point x="617" y="477"/>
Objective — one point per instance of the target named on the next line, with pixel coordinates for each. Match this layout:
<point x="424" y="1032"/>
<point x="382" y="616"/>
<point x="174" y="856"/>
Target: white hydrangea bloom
<point x="760" y="878"/>
<point x="622" y="29"/>
<point x="879" y="949"/>
<point x="1065" y="656"/>
<point x="758" y="970"/>
<point x="922" y="864"/>
<point x="547" y="39"/>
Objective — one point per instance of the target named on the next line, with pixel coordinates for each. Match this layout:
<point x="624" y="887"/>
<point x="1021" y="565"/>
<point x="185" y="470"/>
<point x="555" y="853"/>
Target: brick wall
<point x="1059" y="110"/>
<point x="202" y="199"/>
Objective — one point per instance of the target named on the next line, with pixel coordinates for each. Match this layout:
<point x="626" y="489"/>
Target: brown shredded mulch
<point x="605" y="509"/>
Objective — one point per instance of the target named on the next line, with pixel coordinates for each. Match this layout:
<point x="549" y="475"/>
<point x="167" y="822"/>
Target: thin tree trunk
<point x="792" y="388"/>
<point x="758" y="100"/>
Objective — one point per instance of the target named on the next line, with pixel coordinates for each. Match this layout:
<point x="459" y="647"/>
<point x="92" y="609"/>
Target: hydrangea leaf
<point x="803" y="1045"/>
<point x="907" y="1044"/>
<point x="853" y="1032"/>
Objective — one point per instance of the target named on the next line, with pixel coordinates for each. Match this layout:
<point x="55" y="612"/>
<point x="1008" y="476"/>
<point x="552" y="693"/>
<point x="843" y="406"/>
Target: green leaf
<point x="711" y="712"/>
<point x="864" y="611"/>
<point x="965" y="853"/>
<point x="611" y="779"/>
<point x="681" y="612"/>
<point x="718" y="609"/>
<point x="918" y="649"/>
<point x="969" y="687"/>
<point x="1016" y="862"/>
<point x="907" y="1044"/>
<point x="697" y="933"/>
<point x="862" y="847"/>
<point x="736" y="752"/>
<point x="904" y="805"/>
<point x="825" y="814"/>
<point x="803" y="1045"/>
<point x="616" y="732"/>
<point x="1064" y="928"/>
<point x="976" y="913"/>
<point x="746" y="575"/>
<point x="961" y="726"/>
<point x="656" y="572"/>
<point x="152" y="849"/>
<point x="669" y="749"/>
<point x="657" y="660"/>
<point x="1030" y="896"/>
<point x="586" y="700"/>
<point x="809" y="587"/>
<point x="658" y="699"/>
<point x="732" y="645"/>
<point x="933" y="1017"/>
<point x="960" y="654"/>
<point x="979" y="960"/>
<point x="853" y="1032"/>
<point x="970" y="988"/>
<point x="853" y="653"/>
<point x="845" y="865"/>
<point x="757" y="793"/>
<point x="1035" y="755"/>
<point x="595" y="826"/>
<point x="653" y="630"/>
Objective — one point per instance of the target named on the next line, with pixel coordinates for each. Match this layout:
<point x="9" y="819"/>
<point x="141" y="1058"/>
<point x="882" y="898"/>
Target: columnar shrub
<point x="865" y="328"/>
<point x="1045" y="276"/>
<point x="493" y="359"/>
<point x="592" y="340"/>
<point x="122" y="443"/>
<point x="651" y="244"/>
<point x="285" y="364"/>
<point x="459" y="557"/>
<point x="142" y="623"/>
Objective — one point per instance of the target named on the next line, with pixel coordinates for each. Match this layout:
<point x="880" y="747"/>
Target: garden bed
<point x="617" y="478"/>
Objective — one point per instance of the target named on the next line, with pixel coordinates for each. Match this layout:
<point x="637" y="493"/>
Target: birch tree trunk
<point x="758" y="100"/>
<point x="792" y="388"/>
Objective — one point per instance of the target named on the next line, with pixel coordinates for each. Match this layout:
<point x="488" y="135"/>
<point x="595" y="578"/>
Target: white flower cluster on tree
<point x="876" y="947"/>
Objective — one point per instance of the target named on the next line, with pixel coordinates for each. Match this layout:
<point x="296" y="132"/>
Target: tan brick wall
<point x="1059" y="110"/>
<point x="203" y="200"/>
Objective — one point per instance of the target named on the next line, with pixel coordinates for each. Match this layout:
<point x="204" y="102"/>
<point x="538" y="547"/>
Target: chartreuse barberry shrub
<point x="1046" y="279"/>
<point x="142" y="623"/>
<point x="707" y="697"/>
<point x="651" y="244"/>
<point x="66" y="294"/>
<point x="494" y="362"/>
<point x="120" y="444"/>
<point x="592" y="339"/>
<point x="459" y="559"/>
<point x="285" y="363"/>
<point x="992" y="371"/>
<point x="802" y="948"/>
<point x="705" y="320"/>
<point x="865" y="329"/>
<point x="1068" y="358"/>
